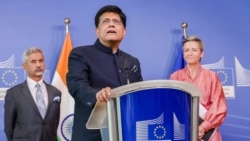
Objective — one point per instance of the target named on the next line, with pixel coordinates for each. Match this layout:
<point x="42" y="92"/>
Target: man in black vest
<point x="95" y="69"/>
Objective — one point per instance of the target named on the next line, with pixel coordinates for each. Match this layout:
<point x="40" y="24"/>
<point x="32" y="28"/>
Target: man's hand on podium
<point x="103" y="94"/>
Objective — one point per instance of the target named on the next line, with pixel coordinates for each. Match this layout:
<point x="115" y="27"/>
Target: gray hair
<point x="196" y="39"/>
<point x="29" y="51"/>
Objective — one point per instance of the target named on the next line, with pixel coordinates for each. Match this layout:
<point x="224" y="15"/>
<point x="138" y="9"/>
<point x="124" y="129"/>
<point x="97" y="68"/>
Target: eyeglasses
<point x="108" y="21"/>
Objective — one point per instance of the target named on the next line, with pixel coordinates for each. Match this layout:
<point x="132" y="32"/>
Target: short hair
<point x="110" y="8"/>
<point x="194" y="38"/>
<point x="29" y="51"/>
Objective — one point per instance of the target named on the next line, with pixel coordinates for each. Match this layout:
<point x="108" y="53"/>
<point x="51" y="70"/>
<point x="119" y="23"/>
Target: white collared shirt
<point x="32" y="87"/>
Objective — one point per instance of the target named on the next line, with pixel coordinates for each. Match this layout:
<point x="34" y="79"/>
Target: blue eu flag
<point x="11" y="76"/>
<point x="225" y="75"/>
<point x="179" y="60"/>
<point x="159" y="132"/>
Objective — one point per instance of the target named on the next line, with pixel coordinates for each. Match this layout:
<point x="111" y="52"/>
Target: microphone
<point x="126" y="67"/>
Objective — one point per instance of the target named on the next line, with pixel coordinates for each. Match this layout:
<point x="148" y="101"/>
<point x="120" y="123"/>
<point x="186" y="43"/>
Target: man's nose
<point x="38" y="63"/>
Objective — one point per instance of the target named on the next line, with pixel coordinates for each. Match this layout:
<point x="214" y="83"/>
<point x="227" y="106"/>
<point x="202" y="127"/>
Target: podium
<point x="164" y="110"/>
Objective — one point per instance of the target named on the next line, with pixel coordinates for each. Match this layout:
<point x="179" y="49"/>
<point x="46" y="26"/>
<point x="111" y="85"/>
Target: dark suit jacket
<point x="22" y="120"/>
<point x="90" y="69"/>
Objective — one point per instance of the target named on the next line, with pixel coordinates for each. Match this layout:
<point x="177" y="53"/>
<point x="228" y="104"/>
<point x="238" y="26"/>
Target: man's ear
<point x="24" y="66"/>
<point x="96" y="32"/>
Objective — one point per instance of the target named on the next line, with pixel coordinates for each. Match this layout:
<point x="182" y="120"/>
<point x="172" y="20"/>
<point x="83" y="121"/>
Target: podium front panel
<point x="162" y="114"/>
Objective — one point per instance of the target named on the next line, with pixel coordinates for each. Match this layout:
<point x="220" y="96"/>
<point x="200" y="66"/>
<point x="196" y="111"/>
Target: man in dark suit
<point x="95" y="69"/>
<point x="32" y="108"/>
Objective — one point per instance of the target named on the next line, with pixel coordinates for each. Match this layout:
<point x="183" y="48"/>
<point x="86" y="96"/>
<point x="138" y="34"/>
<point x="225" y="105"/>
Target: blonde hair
<point x="194" y="38"/>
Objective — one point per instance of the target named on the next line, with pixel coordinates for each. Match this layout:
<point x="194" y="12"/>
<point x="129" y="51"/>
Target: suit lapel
<point x="26" y="92"/>
<point x="50" y="96"/>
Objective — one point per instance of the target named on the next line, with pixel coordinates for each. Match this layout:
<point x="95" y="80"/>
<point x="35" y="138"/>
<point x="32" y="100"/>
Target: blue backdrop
<point x="153" y="32"/>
